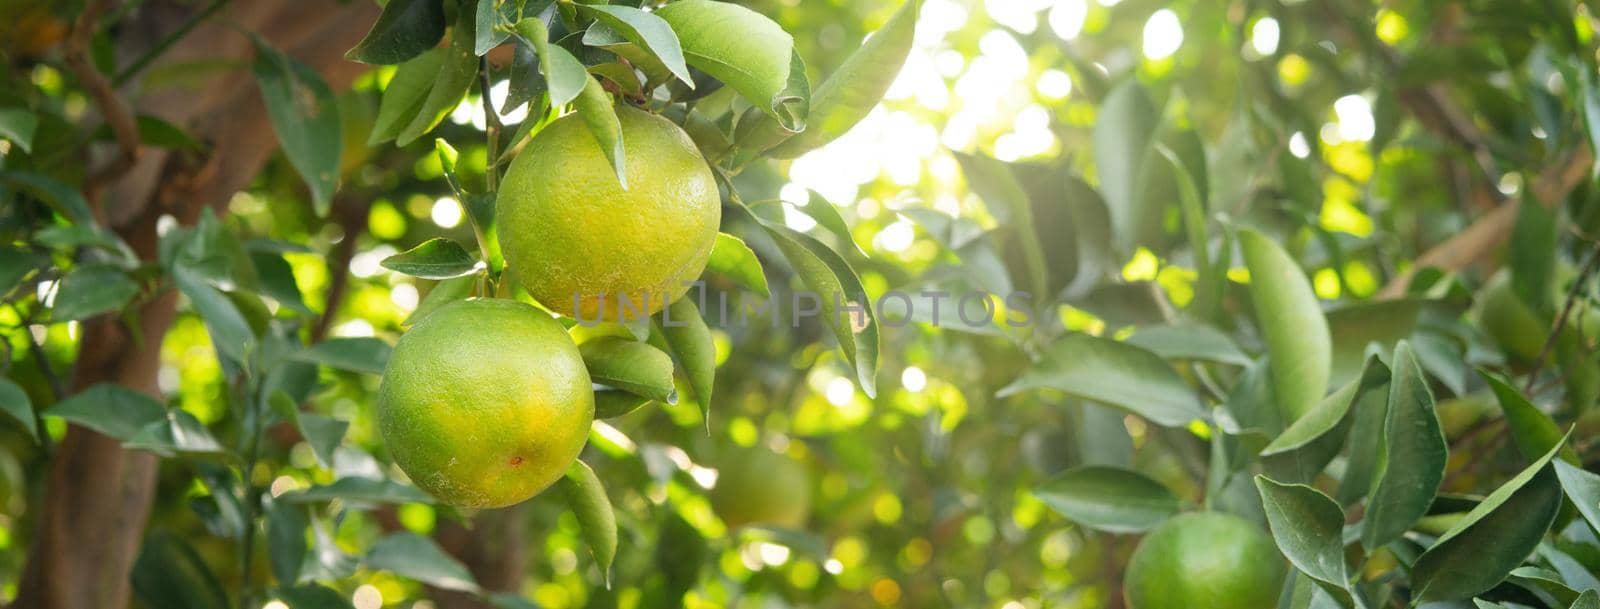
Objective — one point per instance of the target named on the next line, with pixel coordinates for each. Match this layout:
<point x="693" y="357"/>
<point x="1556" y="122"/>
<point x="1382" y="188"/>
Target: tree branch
<point x="112" y="108"/>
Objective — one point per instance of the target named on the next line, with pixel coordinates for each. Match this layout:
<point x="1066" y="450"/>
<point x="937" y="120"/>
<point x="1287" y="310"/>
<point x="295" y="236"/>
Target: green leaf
<point x="631" y="366"/>
<point x="1533" y="431"/>
<point x="857" y="85"/>
<point x="443" y="293"/>
<point x="458" y="69"/>
<point x="526" y="85"/>
<point x="600" y="114"/>
<point x="1415" y="453"/>
<point x="646" y="30"/>
<point x="844" y="305"/>
<point x="17" y="264"/>
<point x="89" y="291"/>
<point x="359" y="354"/>
<point x="419" y="558"/>
<point x="564" y="76"/>
<point x="305" y="115"/>
<point x="691" y="343"/>
<point x="65" y="200"/>
<point x="1291" y="322"/>
<point x="14" y="403"/>
<point x="313" y="596"/>
<point x="1543" y="580"/>
<point x="742" y="48"/>
<point x="286" y="540"/>
<point x="230" y="333"/>
<point x="19" y="125"/>
<point x="1583" y="487"/>
<point x="732" y="258"/>
<point x="1330" y="412"/>
<point x="1531" y="259"/>
<point x="170" y="574"/>
<point x="1003" y="195"/>
<point x="827" y="217"/>
<point x="277" y="281"/>
<point x="1187" y="341"/>
<point x="586" y="497"/>
<point x="1356" y="326"/>
<point x="359" y="490"/>
<point x="1494" y="538"/>
<point x="404" y="30"/>
<point x="403" y="96"/>
<point x="323" y="434"/>
<point x="178" y="433"/>
<point x="436" y="258"/>
<point x="1308" y="528"/>
<point x="1588" y="600"/>
<point x="111" y="409"/>
<point x="1109" y="499"/>
<point x="613" y="403"/>
<point x="1124" y="135"/>
<point x="1114" y="373"/>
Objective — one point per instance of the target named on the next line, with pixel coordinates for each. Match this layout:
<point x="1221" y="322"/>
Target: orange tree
<point x="1190" y="304"/>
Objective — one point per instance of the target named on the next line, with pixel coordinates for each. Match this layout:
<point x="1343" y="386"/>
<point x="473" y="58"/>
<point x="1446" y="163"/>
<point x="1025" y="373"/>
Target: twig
<point x="166" y="43"/>
<point x="491" y="126"/>
<point x="112" y="108"/>
<point x="350" y="220"/>
<point x="1561" y="320"/>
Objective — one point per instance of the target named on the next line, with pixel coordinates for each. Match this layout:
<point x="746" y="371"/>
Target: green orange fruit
<point x="485" y="403"/>
<point x="1204" y="560"/>
<point x="758" y="486"/>
<point x="580" y="243"/>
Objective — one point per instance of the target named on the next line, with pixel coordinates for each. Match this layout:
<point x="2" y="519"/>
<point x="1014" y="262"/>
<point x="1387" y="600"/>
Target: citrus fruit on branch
<point x="758" y="486"/>
<point x="1205" y="560"/>
<point x="581" y="244"/>
<point x="485" y="403"/>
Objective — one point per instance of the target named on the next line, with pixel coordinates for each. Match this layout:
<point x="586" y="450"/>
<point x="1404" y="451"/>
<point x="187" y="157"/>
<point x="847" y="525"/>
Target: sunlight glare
<point x="1162" y="35"/>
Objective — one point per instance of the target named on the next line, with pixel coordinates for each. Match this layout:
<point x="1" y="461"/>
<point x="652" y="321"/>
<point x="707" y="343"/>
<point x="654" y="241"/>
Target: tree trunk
<point x="491" y="549"/>
<point x="98" y="496"/>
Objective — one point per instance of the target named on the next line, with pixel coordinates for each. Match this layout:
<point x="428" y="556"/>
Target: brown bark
<point x="98" y="496"/>
<point x="491" y="549"/>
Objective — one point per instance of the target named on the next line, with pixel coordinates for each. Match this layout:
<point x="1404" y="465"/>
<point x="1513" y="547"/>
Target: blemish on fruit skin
<point x="515" y="461"/>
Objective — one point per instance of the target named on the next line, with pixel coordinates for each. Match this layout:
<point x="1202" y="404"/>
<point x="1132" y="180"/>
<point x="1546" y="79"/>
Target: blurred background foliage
<point x="1305" y="121"/>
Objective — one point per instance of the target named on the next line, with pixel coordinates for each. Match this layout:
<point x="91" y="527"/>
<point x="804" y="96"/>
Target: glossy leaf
<point x="613" y="403"/>
<point x="647" y="31"/>
<point x="1308" y="528"/>
<point x="1531" y="260"/>
<point x="286" y="540"/>
<point x="827" y="217"/>
<point x="844" y="305"/>
<point x="631" y="366"/>
<point x="1109" y="499"/>
<point x="17" y="264"/>
<point x="277" y="281"/>
<point x="1415" y="453"/>
<point x="853" y="89"/>
<point x="15" y="404"/>
<point x="564" y="76"/>
<point x="177" y="433"/>
<point x="357" y="354"/>
<point x="1330" y="412"/>
<point x="305" y="115"/>
<point x="1533" y="431"/>
<point x="1588" y="600"/>
<point x="735" y="260"/>
<point x="436" y="258"/>
<point x="458" y="69"/>
<point x="1189" y="342"/>
<point x="64" y="199"/>
<point x="1115" y="373"/>
<point x="1494" y="538"/>
<point x="403" y="96"/>
<point x="586" y="497"/>
<point x="230" y="333"/>
<point x="359" y="490"/>
<point x="113" y="410"/>
<point x="692" y="346"/>
<point x="594" y="105"/>
<point x="1295" y="332"/>
<point x="742" y="48"/>
<point x="419" y="558"/>
<point x="89" y="291"/>
<point x="1583" y="488"/>
<point x="405" y="29"/>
